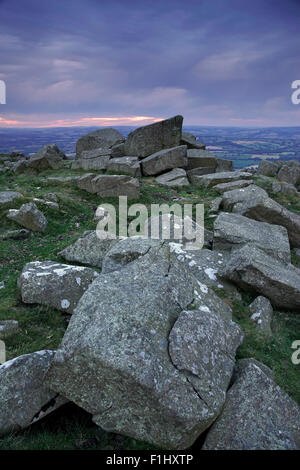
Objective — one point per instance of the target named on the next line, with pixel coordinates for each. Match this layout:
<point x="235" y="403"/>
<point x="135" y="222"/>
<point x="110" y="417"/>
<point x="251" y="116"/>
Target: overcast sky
<point x="113" y="62"/>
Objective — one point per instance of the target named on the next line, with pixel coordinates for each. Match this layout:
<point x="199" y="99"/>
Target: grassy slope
<point x="42" y="328"/>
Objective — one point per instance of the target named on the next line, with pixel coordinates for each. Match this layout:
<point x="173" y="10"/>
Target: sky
<point x="129" y="62"/>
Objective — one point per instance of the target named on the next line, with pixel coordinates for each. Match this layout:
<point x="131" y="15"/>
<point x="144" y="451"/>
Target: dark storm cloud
<point x="216" y="62"/>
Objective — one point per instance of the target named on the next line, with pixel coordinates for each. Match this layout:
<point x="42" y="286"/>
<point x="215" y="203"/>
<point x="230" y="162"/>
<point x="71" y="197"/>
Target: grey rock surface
<point x="257" y="415"/>
<point x="174" y="178"/>
<point x="209" y="181"/>
<point x="126" y="165"/>
<point x="251" y="268"/>
<point x="164" y="160"/>
<point x="24" y="399"/>
<point x="88" y="249"/>
<point x="237" y="196"/>
<point x="150" y="139"/>
<point x="266" y="168"/>
<point x="102" y="138"/>
<point x="54" y="284"/>
<point x="115" y="359"/>
<point x="231" y="231"/>
<point x="29" y="216"/>
<point x="7" y="197"/>
<point x="262" y="313"/>
<point x="110" y="185"/>
<point x="224" y="187"/>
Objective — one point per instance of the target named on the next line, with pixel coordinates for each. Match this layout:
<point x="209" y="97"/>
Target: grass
<point x="43" y="328"/>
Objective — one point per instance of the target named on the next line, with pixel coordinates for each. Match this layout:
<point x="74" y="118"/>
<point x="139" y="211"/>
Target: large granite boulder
<point x="49" y="157"/>
<point x="209" y="181"/>
<point x="267" y="210"/>
<point x="126" y="360"/>
<point x="88" y="249"/>
<point x="232" y="231"/>
<point x="150" y="139"/>
<point x="102" y="138"/>
<point x="110" y="185"/>
<point x="237" y="196"/>
<point x="24" y="398"/>
<point x="289" y="174"/>
<point x="126" y="165"/>
<point x="257" y="415"/>
<point x="175" y="178"/>
<point x="29" y="216"/>
<point x="7" y="197"/>
<point x="164" y="160"/>
<point x="54" y="284"/>
<point x="266" y="168"/>
<point x="223" y="164"/>
<point x="253" y="269"/>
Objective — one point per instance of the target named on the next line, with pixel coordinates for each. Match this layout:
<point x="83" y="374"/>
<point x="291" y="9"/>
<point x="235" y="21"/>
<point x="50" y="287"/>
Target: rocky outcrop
<point x="267" y="168"/>
<point x="133" y="368"/>
<point x="95" y="159"/>
<point x="100" y="139"/>
<point x="201" y="159"/>
<point x="164" y="160"/>
<point x="54" y="284"/>
<point x="191" y="142"/>
<point x="24" y="398"/>
<point x="232" y="231"/>
<point x="29" y="216"/>
<point x="236" y="197"/>
<point x="257" y="415"/>
<point x="253" y="269"/>
<point x="150" y="139"/>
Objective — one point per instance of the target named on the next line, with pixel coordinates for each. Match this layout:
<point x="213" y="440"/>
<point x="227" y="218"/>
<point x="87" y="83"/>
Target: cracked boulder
<point x="257" y="415"/>
<point x="232" y="231"/>
<point x="29" y="216"/>
<point x="253" y="269"/>
<point x="24" y="398"/>
<point x="116" y="358"/>
<point x="54" y="284"/>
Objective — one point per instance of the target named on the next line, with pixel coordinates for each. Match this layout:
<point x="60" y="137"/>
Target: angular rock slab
<point x="150" y="139"/>
<point x="88" y="249"/>
<point x="224" y="187"/>
<point x="164" y="160"/>
<point x="200" y="158"/>
<point x="110" y="185"/>
<point x="257" y="415"/>
<point x="96" y="159"/>
<point x="209" y="181"/>
<point x="7" y="197"/>
<point x="191" y="141"/>
<point x="102" y="138"/>
<point x="54" y="284"/>
<point x="251" y="268"/>
<point x="127" y="165"/>
<point x="49" y="157"/>
<point x="29" y="216"/>
<point x="114" y="359"/>
<point x="267" y="210"/>
<point x="232" y="231"/>
<point x="24" y="398"/>
<point x="175" y="178"/>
